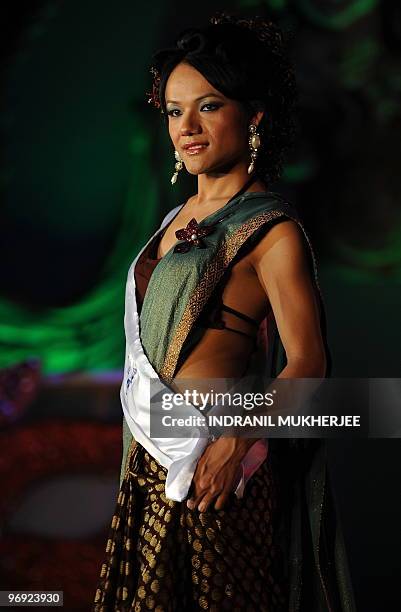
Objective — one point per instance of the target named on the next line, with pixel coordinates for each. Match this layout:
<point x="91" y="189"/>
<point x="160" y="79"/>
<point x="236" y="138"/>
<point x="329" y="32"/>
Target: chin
<point x="211" y="168"/>
<point x="195" y="171"/>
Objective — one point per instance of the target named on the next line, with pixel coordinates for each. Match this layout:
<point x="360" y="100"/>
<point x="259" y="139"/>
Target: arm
<point x="280" y="262"/>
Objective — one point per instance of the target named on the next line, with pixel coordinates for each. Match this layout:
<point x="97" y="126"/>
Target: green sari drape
<point x="181" y="286"/>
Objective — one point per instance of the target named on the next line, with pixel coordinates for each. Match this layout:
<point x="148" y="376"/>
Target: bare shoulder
<point x="282" y="245"/>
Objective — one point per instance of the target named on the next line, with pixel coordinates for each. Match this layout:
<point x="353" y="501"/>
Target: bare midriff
<point x="222" y="353"/>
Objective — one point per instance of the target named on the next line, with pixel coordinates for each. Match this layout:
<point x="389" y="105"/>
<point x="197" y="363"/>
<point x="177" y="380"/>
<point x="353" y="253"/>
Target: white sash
<point x="178" y="455"/>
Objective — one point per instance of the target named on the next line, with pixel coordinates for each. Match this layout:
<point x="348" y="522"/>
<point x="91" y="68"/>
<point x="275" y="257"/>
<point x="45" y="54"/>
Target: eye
<point x="208" y="107"/>
<point x="212" y="106"/>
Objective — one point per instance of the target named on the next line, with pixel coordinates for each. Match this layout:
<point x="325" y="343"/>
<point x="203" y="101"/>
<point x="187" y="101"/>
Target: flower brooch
<point x="192" y="235"/>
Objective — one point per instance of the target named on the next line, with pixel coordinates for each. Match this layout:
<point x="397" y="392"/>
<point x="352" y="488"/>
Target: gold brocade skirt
<point x="162" y="556"/>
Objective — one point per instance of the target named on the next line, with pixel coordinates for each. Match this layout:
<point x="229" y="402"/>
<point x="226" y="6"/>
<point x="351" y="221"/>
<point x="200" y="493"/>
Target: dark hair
<point x="246" y="60"/>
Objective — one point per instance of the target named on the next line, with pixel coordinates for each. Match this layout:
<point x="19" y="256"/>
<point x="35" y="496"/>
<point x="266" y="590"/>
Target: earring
<point x="178" y="167"/>
<point x="254" y="144"/>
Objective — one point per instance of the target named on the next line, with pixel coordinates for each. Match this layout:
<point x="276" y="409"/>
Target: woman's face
<point x="209" y="131"/>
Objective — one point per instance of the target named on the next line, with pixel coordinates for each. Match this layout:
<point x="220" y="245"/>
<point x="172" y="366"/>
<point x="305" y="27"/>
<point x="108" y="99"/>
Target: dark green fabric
<point x="310" y="530"/>
<point x="177" y="275"/>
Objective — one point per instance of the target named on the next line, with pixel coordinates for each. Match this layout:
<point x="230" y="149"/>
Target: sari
<point x="278" y="547"/>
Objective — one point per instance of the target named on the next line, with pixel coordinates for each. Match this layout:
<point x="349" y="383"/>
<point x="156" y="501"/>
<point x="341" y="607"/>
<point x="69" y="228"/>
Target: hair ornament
<point x="153" y="96"/>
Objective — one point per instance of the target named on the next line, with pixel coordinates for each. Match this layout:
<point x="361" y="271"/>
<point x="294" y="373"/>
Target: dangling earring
<point x="254" y="144"/>
<point x="178" y="167"/>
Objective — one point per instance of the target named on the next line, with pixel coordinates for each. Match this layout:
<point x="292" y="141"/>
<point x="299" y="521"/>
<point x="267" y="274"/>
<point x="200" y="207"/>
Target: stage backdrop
<point x="85" y="167"/>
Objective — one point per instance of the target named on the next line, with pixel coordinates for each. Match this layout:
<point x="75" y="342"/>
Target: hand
<point x="216" y="472"/>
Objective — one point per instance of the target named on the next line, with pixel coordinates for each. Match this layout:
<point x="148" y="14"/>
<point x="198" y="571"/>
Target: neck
<point x="216" y="187"/>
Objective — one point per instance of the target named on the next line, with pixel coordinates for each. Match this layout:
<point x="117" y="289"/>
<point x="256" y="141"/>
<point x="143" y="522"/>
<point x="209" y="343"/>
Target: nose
<point x="190" y="125"/>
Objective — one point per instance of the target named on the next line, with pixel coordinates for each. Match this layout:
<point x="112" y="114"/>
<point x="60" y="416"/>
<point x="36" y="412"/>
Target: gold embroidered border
<point x="213" y="273"/>
<point x="132" y="448"/>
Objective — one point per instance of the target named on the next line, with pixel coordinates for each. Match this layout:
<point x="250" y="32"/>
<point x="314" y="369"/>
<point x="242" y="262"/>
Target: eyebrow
<point x="215" y="95"/>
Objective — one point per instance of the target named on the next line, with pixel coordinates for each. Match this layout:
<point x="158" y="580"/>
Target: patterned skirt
<point x="162" y="556"/>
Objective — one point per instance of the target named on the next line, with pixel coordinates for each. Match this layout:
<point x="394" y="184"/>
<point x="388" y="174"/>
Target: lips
<point x="194" y="147"/>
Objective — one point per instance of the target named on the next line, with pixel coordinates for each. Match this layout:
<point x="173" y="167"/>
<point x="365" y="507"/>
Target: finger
<point x="198" y="489"/>
<point x="222" y="499"/>
<point x="196" y="499"/>
<point x="206" y="501"/>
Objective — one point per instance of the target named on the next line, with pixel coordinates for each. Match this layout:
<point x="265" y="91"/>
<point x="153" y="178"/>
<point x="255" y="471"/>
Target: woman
<point x="226" y="523"/>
